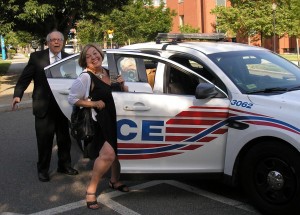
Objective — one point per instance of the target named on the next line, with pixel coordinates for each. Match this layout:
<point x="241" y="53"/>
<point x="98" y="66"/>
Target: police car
<point x="206" y="107"/>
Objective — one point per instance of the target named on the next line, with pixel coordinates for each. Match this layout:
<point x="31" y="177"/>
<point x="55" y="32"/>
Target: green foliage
<point x="18" y="39"/>
<point x="35" y="12"/>
<point x="134" y="22"/>
<point x="11" y="39"/>
<point x="88" y="31"/>
<point x="188" y="29"/>
<point x="4" y="65"/>
<point x="24" y="38"/>
<point x="7" y="11"/>
<point x="11" y="51"/>
<point x="294" y="22"/>
<point x="39" y="17"/>
<point x="248" y="17"/>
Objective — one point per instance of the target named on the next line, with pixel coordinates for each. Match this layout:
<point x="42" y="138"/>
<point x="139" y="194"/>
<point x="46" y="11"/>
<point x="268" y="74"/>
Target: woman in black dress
<point x="104" y="113"/>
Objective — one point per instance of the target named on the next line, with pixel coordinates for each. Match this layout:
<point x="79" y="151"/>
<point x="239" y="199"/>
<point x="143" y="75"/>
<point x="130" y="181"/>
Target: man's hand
<point x="15" y="103"/>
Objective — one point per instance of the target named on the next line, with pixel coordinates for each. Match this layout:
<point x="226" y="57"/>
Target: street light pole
<point x="274" y="26"/>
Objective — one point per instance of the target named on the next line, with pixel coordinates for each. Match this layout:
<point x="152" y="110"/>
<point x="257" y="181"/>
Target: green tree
<point x="139" y="21"/>
<point x="11" y="39"/>
<point x="89" y="31"/>
<point x="24" y="38"/>
<point x="294" y="24"/>
<point x="39" y="17"/>
<point x="188" y="29"/>
<point x="7" y="12"/>
<point x="249" y="17"/>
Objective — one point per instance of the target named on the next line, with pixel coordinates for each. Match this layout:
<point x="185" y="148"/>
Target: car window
<point x="181" y="83"/>
<point x="267" y="68"/>
<point x="200" y="69"/>
<point x="257" y="71"/>
<point x="68" y="68"/>
<point x="137" y="69"/>
<point x="65" y="69"/>
<point x="171" y="79"/>
<point x="127" y="66"/>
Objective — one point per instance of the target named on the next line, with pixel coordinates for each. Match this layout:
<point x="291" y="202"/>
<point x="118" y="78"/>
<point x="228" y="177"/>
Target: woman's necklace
<point x="100" y="74"/>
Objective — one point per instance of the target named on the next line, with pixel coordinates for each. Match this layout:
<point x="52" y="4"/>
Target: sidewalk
<point x="8" y="83"/>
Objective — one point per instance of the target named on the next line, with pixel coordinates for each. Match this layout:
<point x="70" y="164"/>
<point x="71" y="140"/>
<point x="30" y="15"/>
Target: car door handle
<point x="136" y="108"/>
<point x="64" y="92"/>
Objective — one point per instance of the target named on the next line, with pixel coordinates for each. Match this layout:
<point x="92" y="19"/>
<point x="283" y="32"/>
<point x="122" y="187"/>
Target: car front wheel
<point x="270" y="176"/>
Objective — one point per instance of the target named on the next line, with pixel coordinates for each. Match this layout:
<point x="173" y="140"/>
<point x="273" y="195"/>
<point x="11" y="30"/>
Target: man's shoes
<point x="67" y="170"/>
<point x="43" y="177"/>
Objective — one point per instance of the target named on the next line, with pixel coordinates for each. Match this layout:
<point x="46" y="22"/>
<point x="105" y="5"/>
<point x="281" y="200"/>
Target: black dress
<point x="106" y="125"/>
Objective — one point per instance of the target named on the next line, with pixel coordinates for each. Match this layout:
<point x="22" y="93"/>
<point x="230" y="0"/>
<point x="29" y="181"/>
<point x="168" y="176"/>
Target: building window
<point x="181" y="20"/>
<point x="180" y="1"/>
<point x="221" y="3"/>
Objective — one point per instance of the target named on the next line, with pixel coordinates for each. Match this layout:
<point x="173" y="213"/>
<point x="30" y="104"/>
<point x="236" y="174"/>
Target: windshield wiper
<point x="294" y="88"/>
<point x="270" y="90"/>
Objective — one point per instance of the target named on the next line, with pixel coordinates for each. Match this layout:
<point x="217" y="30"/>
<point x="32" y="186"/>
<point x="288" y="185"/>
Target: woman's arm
<point x="78" y="93"/>
<point x="88" y="103"/>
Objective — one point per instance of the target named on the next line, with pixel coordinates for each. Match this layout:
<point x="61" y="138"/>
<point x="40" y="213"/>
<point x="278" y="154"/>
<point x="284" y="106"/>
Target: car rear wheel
<point x="270" y="176"/>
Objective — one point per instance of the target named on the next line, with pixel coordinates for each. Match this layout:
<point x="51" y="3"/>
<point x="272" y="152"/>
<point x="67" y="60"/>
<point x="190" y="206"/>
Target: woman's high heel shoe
<point x="122" y="187"/>
<point x="93" y="205"/>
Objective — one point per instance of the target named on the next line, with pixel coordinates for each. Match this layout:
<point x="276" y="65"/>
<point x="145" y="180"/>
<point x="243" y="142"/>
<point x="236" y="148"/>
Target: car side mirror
<point x="205" y="90"/>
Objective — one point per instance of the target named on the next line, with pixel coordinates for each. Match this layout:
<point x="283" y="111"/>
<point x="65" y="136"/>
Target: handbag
<point x="82" y="123"/>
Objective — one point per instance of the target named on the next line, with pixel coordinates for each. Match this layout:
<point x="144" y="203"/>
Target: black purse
<point x="82" y="123"/>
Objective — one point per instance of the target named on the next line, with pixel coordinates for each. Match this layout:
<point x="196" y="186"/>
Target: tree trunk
<point x="262" y="41"/>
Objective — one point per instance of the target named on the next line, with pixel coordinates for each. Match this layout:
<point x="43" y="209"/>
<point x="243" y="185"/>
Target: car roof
<point x="204" y="47"/>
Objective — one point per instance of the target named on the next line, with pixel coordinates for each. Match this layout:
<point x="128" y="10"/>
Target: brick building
<point x="196" y="13"/>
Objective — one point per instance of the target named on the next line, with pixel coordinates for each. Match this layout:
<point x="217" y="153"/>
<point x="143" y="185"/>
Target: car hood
<point x="284" y="101"/>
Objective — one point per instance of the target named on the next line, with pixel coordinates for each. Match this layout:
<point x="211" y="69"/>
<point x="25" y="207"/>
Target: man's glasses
<point x="56" y="40"/>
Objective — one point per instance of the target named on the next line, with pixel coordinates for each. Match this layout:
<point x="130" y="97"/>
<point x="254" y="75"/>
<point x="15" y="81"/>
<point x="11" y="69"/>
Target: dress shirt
<point x="52" y="57"/>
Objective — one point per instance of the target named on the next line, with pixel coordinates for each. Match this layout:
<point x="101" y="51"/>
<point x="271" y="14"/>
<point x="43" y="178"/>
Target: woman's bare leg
<point x="115" y="170"/>
<point x="102" y="163"/>
<point x="115" y="174"/>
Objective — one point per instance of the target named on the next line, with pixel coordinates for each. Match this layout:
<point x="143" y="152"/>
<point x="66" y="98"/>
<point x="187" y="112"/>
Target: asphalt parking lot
<point x="23" y="193"/>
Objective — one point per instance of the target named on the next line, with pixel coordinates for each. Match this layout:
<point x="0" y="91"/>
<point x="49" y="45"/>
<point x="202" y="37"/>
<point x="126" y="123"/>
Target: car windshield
<point x="260" y="72"/>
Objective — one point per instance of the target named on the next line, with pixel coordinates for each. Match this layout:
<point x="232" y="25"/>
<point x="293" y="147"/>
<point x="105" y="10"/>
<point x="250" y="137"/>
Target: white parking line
<point x="106" y="199"/>
<point x="212" y="196"/>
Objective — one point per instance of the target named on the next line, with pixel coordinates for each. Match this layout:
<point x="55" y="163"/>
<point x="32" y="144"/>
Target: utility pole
<point x="274" y="25"/>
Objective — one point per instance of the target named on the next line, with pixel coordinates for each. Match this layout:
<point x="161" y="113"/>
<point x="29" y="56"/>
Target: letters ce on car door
<point x="166" y="129"/>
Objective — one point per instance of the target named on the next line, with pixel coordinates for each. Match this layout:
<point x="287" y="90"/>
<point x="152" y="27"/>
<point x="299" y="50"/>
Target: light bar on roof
<point x="200" y="36"/>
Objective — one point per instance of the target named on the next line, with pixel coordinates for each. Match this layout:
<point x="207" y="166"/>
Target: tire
<point x="270" y="177"/>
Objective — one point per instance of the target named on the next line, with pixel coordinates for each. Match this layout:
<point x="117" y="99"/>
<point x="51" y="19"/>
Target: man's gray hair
<point x="48" y="36"/>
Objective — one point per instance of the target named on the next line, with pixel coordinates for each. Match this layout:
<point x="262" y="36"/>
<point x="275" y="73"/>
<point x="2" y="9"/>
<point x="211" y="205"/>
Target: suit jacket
<point x="34" y="70"/>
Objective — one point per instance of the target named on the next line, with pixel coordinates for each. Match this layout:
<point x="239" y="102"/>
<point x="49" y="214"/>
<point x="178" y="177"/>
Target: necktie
<point x="56" y="58"/>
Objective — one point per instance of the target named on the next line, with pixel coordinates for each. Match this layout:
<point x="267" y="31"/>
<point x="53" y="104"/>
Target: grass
<point x="4" y="65"/>
<point x="291" y="57"/>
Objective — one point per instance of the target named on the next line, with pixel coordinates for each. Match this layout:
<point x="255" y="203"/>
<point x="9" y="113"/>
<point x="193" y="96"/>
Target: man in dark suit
<point x="49" y="119"/>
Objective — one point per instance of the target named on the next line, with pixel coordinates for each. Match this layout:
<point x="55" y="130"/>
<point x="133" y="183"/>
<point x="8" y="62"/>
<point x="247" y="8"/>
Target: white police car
<point x="69" y="49"/>
<point x="218" y="108"/>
